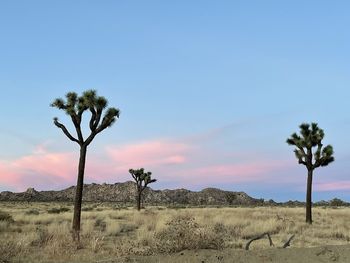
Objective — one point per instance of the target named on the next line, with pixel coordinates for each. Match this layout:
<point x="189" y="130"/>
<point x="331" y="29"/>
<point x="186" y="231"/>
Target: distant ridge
<point x="125" y="193"/>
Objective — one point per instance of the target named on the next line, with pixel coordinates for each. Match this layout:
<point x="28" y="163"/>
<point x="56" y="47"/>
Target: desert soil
<point x="278" y="255"/>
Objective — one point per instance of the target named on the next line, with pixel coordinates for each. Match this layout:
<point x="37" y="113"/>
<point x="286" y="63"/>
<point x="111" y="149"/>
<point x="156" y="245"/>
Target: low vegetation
<point x="108" y="232"/>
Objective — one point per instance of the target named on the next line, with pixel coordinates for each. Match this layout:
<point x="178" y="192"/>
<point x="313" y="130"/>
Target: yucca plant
<point x="142" y="179"/>
<point x="75" y="106"/>
<point x="310" y="138"/>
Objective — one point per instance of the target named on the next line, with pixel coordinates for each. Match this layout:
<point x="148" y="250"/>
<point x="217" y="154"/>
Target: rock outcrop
<point x="126" y="192"/>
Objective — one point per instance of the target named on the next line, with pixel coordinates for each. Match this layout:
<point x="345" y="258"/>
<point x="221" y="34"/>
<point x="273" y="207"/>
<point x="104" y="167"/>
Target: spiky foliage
<point x="310" y="152"/>
<point x="311" y="136"/>
<point x="142" y="179"/>
<point x="74" y="106"/>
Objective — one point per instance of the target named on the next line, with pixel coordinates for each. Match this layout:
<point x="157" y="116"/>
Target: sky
<point x="208" y="91"/>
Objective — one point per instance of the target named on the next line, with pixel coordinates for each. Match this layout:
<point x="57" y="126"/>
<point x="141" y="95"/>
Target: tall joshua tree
<point x="75" y="106"/>
<point x="310" y="136"/>
<point x="142" y="179"/>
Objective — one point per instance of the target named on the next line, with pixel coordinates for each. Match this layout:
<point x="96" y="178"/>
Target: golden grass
<point x="108" y="232"/>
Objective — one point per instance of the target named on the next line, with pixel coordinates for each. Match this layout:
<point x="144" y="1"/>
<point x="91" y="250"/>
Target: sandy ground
<point x="309" y="255"/>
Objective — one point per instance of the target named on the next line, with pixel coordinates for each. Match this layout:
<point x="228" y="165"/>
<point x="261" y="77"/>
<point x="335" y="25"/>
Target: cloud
<point x="151" y="153"/>
<point x="174" y="163"/>
<point x="7" y="176"/>
<point x="51" y="170"/>
<point x="249" y="172"/>
<point x="39" y="169"/>
<point x="240" y="172"/>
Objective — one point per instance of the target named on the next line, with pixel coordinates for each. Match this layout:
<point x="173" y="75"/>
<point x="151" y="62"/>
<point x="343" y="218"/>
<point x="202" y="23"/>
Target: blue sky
<point x="217" y="87"/>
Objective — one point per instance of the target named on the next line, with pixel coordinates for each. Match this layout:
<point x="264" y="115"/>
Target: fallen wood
<point x="287" y="244"/>
<point x="257" y="238"/>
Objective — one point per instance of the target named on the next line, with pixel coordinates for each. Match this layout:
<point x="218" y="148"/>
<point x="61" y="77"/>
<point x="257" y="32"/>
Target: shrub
<point x="127" y="228"/>
<point x="43" y="237"/>
<point x="6" y="217"/>
<point x="100" y="224"/>
<point x="337" y="202"/>
<point x="96" y="243"/>
<point x="32" y="212"/>
<point x="8" y="250"/>
<point x="183" y="232"/>
<point x="57" y="210"/>
<point x="120" y="207"/>
<point x="87" y="208"/>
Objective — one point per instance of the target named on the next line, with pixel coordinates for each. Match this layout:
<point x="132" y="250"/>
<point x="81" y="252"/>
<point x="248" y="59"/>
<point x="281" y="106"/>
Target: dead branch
<point x="287" y="244"/>
<point x="257" y="238"/>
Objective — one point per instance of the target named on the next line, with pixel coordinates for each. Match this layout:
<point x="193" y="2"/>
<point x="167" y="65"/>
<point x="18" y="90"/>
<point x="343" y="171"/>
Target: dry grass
<point x="106" y="232"/>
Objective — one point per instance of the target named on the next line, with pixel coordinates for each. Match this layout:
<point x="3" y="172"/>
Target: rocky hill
<point x="126" y="192"/>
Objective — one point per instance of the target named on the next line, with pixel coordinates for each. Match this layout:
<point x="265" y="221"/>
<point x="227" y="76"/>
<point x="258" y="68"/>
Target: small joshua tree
<point x="142" y="179"/>
<point x="310" y="136"/>
<point x="75" y="106"/>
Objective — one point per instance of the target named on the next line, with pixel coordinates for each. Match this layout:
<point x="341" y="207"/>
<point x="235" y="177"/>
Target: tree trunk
<point x="139" y="193"/>
<point x="308" y="197"/>
<point x="79" y="194"/>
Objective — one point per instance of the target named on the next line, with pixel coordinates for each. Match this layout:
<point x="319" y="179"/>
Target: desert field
<point x="40" y="232"/>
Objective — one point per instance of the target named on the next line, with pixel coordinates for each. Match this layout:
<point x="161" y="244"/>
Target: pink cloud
<point x="41" y="168"/>
<point x="49" y="170"/>
<point x="234" y="173"/>
<point x="171" y="162"/>
<point x="332" y="186"/>
<point x="7" y="176"/>
<point x="60" y="165"/>
<point x="151" y="153"/>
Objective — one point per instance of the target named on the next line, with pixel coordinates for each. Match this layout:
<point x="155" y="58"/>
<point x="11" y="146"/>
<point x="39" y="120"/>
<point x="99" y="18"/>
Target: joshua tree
<point x="142" y="179"/>
<point x="311" y="136"/>
<point x="75" y="106"/>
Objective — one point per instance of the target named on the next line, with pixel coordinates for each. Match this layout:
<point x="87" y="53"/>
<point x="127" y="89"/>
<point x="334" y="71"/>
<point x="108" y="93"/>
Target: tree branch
<point x="65" y="131"/>
<point x="287" y="244"/>
<point x="302" y="150"/>
<point x="90" y="138"/>
<point x="302" y="162"/>
<point x="93" y="134"/>
<point x="98" y="117"/>
<point x="77" y="127"/>
<point x="317" y="156"/>
<point x="133" y="176"/>
<point x="93" y="118"/>
<point x="300" y="154"/>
